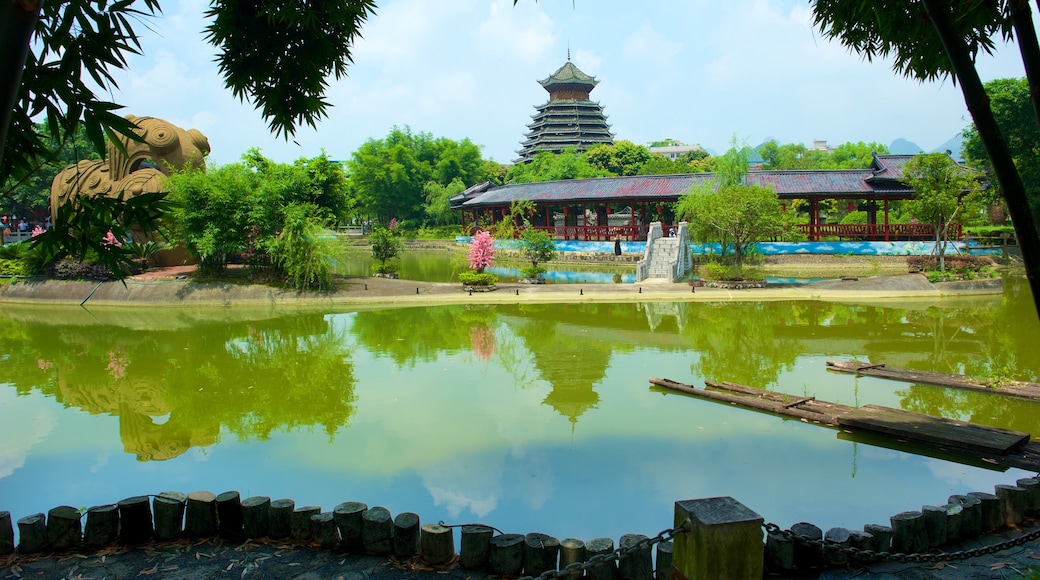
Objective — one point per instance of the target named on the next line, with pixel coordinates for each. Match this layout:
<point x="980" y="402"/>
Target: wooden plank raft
<point x="946" y="434"/>
<point x="1020" y="389"/>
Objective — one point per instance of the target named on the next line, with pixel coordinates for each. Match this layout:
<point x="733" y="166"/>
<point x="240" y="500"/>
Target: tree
<point x="547" y="166"/>
<point x="386" y="245"/>
<point x="734" y="215"/>
<point x="438" y="201"/>
<point x="389" y="176"/>
<point x="858" y="155"/>
<point x="941" y="189"/>
<point x="481" y="251"/>
<point x="933" y="39"/>
<point x="537" y="246"/>
<point x="278" y="55"/>
<point x="1013" y="111"/>
<point x="32" y="192"/>
<point x="730" y="212"/>
<point x="621" y="158"/>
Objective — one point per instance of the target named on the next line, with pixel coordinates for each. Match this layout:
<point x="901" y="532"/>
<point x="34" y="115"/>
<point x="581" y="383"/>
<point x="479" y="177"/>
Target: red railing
<point x="598" y="233"/>
<point x="875" y="232"/>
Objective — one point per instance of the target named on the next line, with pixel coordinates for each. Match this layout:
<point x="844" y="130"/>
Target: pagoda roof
<point x="569" y="75"/>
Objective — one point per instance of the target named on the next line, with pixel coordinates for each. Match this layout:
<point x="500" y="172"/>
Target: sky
<point x="699" y="71"/>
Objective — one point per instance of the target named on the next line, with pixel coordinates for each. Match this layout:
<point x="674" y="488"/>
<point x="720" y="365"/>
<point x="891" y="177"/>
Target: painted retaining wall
<point x="770" y="248"/>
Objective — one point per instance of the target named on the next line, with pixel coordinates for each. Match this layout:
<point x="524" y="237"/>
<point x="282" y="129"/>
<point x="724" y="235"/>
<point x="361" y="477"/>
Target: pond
<point x="444" y="266"/>
<point x="524" y="417"/>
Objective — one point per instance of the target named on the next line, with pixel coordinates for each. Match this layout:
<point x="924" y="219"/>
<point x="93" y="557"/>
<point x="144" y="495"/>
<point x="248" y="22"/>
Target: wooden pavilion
<point x="608" y="208"/>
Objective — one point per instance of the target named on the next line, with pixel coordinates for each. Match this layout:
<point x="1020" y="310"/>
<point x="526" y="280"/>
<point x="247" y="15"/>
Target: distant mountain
<point x="903" y="147"/>
<point x="955" y="145"/>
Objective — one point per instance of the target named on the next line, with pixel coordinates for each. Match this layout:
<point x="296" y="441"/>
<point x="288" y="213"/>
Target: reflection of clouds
<point x="969" y="478"/>
<point x="472" y="483"/>
<point x="100" y="461"/>
<point x="24" y="422"/>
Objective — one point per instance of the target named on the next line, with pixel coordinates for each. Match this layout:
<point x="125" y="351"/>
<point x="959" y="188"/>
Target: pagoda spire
<point x="570" y="118"/>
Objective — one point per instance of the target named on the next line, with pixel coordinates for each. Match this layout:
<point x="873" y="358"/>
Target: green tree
<point x="211" y="213"/>
<point x="276" y="55"/>
<point x="941" y="190"/>
<point x="547" y="166"/>
<point x="934" y="39"/>
<point x="858" y="155"/>
<point x="386" y="245"/>
<point x="305" y="249"/>
<point x="32" y="192"/>
<point x="537" y="247"/>
<point x="1009" y="99"/>
<point x="438" y="201"/>
<point x="621" y="158"/>
<point x="736" y="216"/>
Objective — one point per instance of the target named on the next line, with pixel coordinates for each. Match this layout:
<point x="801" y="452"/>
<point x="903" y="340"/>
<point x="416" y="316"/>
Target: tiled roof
<point x="568" y="74"/>
<point x="881" y="180"/>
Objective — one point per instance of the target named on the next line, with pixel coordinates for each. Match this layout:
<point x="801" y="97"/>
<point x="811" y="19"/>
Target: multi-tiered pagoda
<point x="569" y="119"/>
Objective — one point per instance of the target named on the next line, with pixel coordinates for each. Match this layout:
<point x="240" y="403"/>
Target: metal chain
<point x="859" y="554"/>
<point x="576" y="568"/>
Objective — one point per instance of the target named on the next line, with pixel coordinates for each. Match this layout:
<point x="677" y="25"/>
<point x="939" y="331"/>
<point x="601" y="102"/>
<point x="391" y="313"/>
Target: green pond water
<point x="524" y="417"/>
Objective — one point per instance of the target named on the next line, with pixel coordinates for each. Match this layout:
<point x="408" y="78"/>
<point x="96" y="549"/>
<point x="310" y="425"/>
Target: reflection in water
<point x="173" y="390"/>
<point x="473" y="411"/>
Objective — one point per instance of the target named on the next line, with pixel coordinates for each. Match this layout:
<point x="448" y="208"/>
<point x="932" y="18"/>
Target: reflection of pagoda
<point x="569" y="118"/>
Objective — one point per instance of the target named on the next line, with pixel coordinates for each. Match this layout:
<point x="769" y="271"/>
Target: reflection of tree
<point x="976" y="407"/>
<point x="482" y="341"/>
<point x="410" y="335"/>
<point x="737" y="343"/>
<point x="176" y="389"/>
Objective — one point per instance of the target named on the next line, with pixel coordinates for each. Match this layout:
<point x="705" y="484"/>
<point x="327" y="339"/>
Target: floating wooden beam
<point x="1020" y="389"/>
<point x="896" y="429"/>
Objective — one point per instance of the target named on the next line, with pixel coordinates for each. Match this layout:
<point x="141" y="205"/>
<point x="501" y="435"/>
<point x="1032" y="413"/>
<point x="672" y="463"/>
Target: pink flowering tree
<point x="481" y="251"/>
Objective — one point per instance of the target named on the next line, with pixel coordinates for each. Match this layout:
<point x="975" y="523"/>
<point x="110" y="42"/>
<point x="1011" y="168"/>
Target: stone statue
<point x="165" y="148"/>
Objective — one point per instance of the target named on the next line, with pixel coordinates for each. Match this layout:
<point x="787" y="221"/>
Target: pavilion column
<point x="814" y="219"/>
<point x="886" y="220"/>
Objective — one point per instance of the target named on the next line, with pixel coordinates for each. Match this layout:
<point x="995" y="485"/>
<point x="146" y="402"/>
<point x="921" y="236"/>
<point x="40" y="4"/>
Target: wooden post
<point x="32" y="533"/>
<point x="882" y="537"/>
<point x="860" y="540"/>
<point x="377" y="531"/>
<point x="348" y="520"/>
<point x="541" y="553"/>
<point x="229" y="514"/>
<point x="664" y="561"/>
<point x="806" y="556"/>
<point x="840" y="537"/>
<point x="102" y="525"/>
<point x="476" y="547"/>
<point x="135" y="520"/>
<point x="406" y="535"/>
<point x="571" y="550"/>
<point x="778" y="554"/>
<point x="507" y="554"/>
<point x="256" y="516"/>
<point x="990" y="510"/>
<point x="1012" y="503"/>
<point x="6" y="534"/>
<point x="935" y="524"/>
<point x="954" y="516"/>
<point x="323" y="529"/>
<point x="908" y="533"/>
<point x="724" y="540"/>
<point x="607" y="570"/>
<point x="636" y="565"/>
<point x="438" y="544"/>
<point x="168" y="508"/>
<point x="971" y="515"/>
<point x="301" y="522"/>
<point x="280" y="524"/>
<point x="63" y="528"/>
<point x="1032" y="487"/>
<point x="200" y="517"/>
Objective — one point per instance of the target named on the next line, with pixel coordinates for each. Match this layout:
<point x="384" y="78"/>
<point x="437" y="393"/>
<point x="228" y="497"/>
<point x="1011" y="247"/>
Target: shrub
<point x="855" y="217"/>
<point x="13" y="268"/>
<point x="69" y="269"/>
<point x="532" y="272"/>
<point x="470" y="278"/>
<point x="386" y="245"/>
<point x="304" y="250"/>
<point x="385" y="268"/>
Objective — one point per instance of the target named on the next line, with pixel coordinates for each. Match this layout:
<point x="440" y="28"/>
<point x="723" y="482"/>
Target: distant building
<point x="674" y="150"/>
<point x="569" y="118"/>
<point x="820" y="145"/>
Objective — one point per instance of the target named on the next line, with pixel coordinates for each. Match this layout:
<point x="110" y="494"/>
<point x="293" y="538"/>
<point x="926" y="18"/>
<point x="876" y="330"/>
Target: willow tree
<point x="937" y="39"/>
